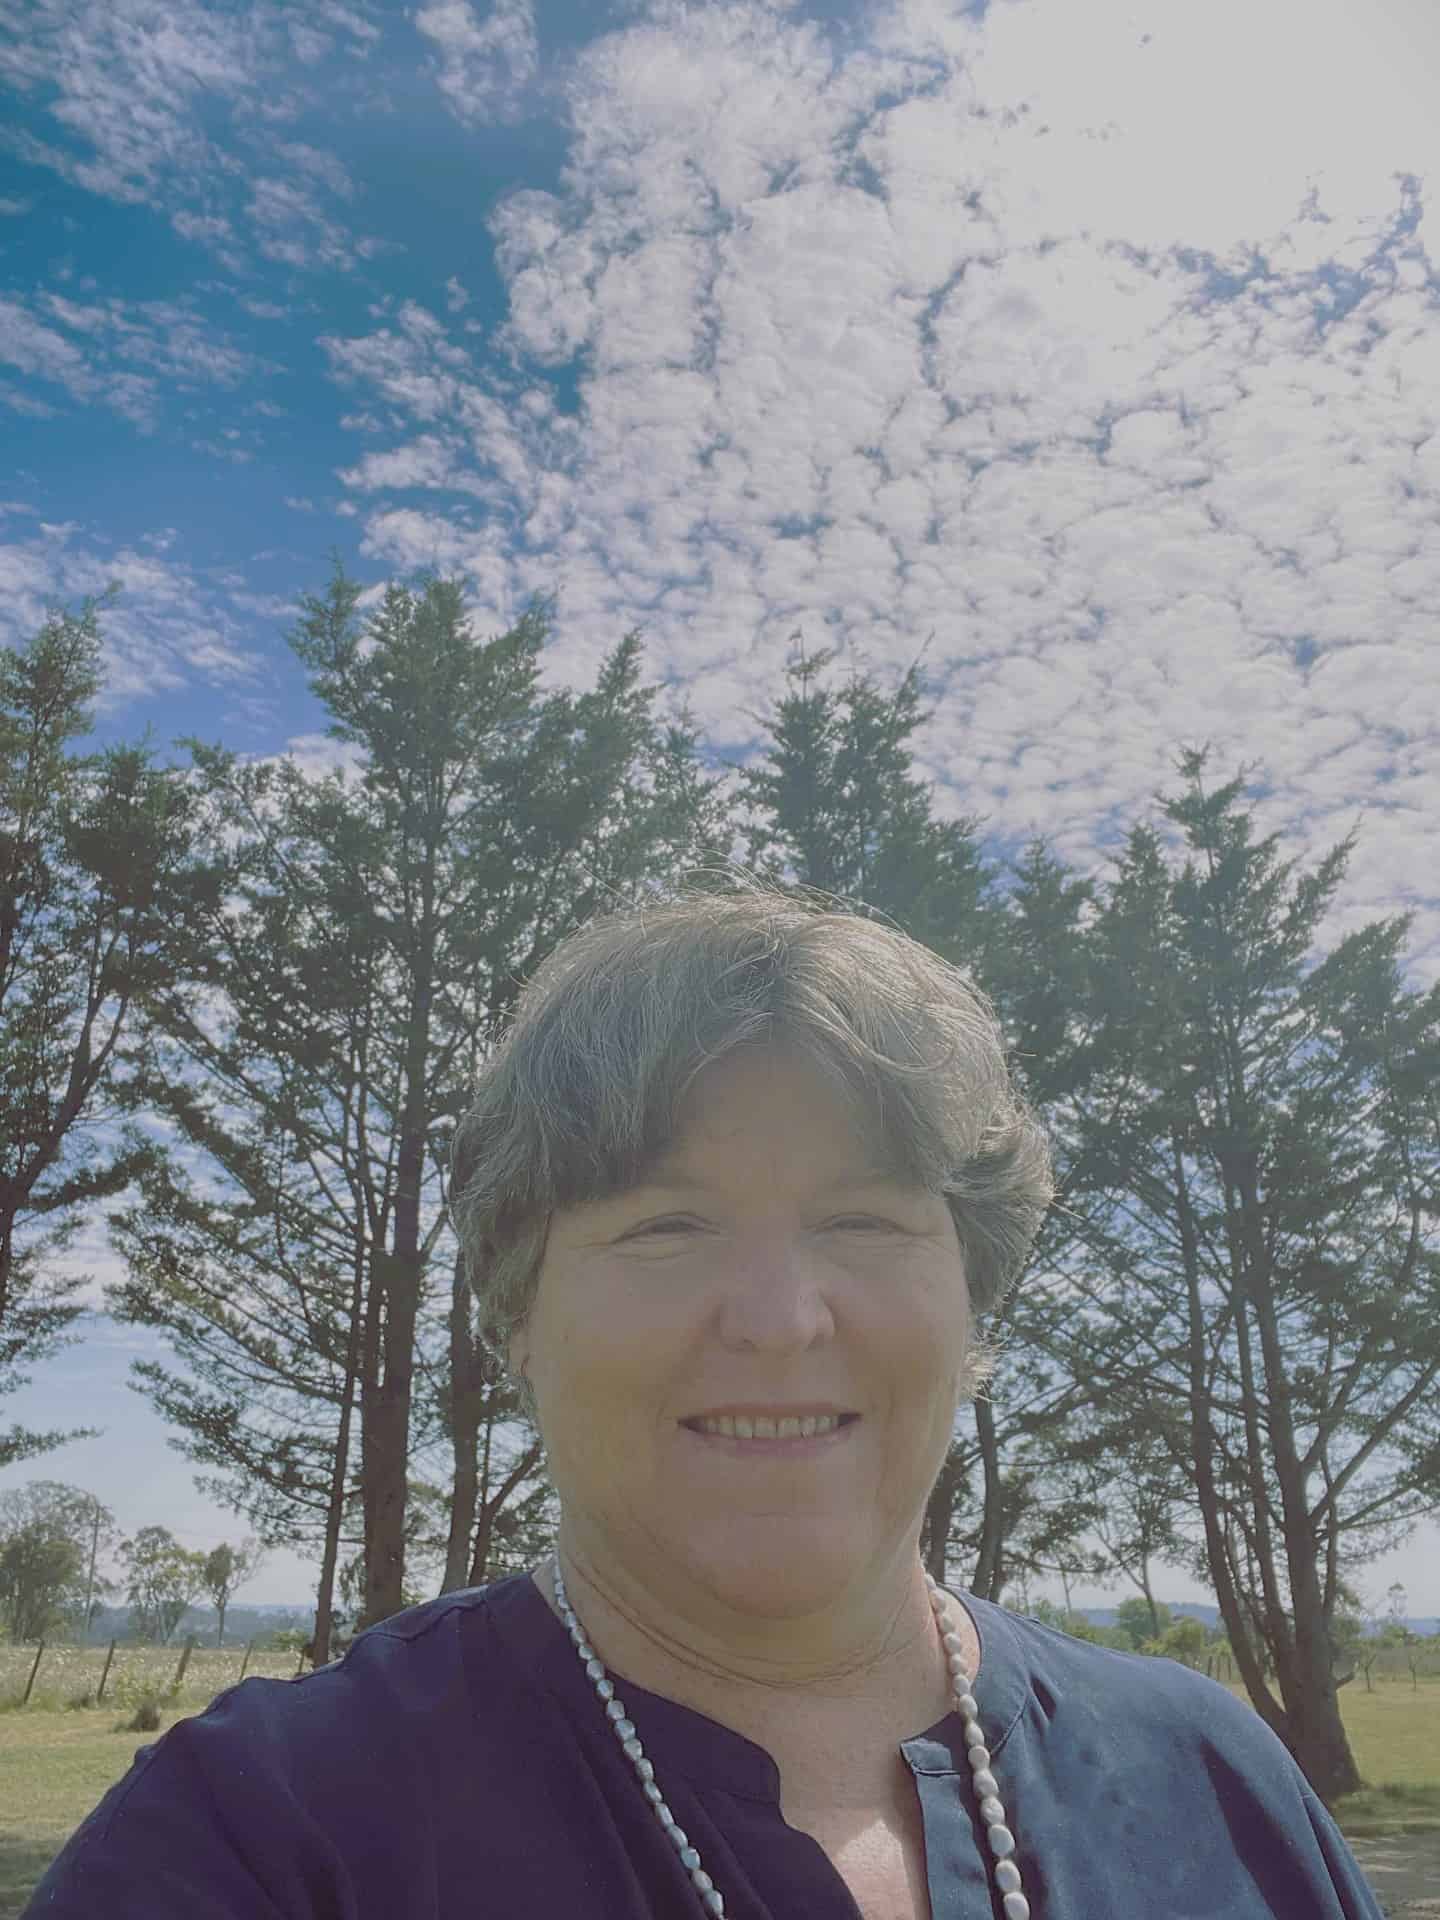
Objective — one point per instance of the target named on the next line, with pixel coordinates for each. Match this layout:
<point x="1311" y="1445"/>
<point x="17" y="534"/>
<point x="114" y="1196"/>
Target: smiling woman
<point x="736" y="1184"/>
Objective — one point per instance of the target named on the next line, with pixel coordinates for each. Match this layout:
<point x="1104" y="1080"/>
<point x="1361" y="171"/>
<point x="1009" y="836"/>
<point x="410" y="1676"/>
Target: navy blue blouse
<point x="456" y="1764"/>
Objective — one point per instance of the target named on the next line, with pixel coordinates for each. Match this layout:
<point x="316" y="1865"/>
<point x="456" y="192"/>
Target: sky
<point x="1089" y="351"/>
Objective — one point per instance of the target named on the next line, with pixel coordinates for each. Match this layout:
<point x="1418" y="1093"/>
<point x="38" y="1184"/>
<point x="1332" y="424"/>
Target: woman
<point x="733" y="1192"/>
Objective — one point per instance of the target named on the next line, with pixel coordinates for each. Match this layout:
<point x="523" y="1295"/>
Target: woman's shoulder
<point x="418" y="1662"/>
<point x="337" y="1779"/>
<point x="408" y="1682"/>
<point x="1078" y="1679"/>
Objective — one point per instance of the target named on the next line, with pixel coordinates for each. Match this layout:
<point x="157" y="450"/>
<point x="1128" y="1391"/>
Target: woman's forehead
<point x="689" y="1173"/>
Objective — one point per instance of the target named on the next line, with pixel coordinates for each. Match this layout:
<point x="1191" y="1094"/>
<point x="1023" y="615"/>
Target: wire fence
<point x="53" y="1677"/>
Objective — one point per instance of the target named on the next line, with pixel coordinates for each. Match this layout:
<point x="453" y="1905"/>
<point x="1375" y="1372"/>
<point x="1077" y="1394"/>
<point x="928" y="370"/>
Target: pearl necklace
<point x="1002" y="1842"/>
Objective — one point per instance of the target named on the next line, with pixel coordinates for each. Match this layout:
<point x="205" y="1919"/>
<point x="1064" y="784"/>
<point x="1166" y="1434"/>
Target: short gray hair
<point x="583" y="1091"/>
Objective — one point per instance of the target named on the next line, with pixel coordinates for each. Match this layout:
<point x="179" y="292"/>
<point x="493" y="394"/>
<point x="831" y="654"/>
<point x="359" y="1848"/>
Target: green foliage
<point x="1139" y="1622"/>
<point x="162" y="1578"/>
<point x="835" y="804"/>
<point x="141" y="1698"/>
<point x="96" y="885"/>
<point x="1258" y="1171"/>
<point x="46" y="1534"/>
<point x="1075" y="1624"/>
<point x="1184" y="1640"/>
<point x="225" y="1569"/>
<point x="375" y="928"/>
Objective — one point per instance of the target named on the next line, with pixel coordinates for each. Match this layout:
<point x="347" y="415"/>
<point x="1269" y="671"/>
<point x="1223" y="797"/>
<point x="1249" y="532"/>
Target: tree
<point x="48" y="1534"/>
<point x="1036" y="1515"/>
<point x="95" y="881"/>
<point x="1142" y="1620"/>
<point x="375" y="931"/>
<point x="835" y="804"/>
<point x="1066" y="1620"/>
<point x="162" y="1578"/>
<point x="225" y="1570"/>
<point x="498" y="1457"/>
<point x="1183" y="1640"/>
<point x="1257" y="1159"/>
<point x="1125" y="1469"/>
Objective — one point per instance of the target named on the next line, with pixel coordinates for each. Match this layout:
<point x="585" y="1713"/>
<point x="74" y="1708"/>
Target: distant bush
<point x="144" y="1699"/>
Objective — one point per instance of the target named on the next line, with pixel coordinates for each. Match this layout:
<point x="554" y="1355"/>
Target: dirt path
<point x="1405" y="1873"/>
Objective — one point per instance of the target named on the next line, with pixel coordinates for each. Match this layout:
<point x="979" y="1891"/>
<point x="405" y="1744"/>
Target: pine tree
<point x="835" y="804"/>
<point x="377" y="929"/>
<point x="96" y="887"/>
<point x="1259" y="1160"/>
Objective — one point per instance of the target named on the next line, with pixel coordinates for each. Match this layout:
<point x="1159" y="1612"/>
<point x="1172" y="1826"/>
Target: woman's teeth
<point x="761" y="1427"/>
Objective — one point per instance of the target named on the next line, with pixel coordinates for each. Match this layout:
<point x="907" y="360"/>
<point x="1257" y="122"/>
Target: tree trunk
<point x="386" y="1457"/>
<point x="385" y="1449"/>
<point x="335" y="1512"/>
<point x="371" y="1370"/>
<point x="1202" y="1442"/>
<point x="220" y="1630"/>
<point x="939" y="1516"/>
<point x="1316" y="1735"/>
<point x="493" y="1505"/>
<point x="467" y="1404"/>
<point x="989" y="1569"/>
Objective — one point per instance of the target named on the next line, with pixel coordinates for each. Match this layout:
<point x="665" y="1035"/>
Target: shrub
<point x="144" y="1698"/>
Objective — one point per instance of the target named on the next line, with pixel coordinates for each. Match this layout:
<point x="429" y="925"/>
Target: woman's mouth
<point x="770" y="1433"/>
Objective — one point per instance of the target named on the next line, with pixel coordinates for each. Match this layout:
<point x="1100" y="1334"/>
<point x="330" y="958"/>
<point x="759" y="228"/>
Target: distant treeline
<point x="242" y="1625"/>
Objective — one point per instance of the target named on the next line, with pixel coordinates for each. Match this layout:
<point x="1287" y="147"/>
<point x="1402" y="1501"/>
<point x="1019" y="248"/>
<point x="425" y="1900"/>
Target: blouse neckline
<point x="681" y="1739"/>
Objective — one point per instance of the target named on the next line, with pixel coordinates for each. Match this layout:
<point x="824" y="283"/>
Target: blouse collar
<point x="680" y="1739"/>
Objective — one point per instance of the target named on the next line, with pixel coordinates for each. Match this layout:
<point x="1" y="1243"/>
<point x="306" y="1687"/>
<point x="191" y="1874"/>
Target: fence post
<point x="184" y="1662"/>
<point x="30" y="1683"/>
<point x="246" y="1661"/>
<point x="39" y="1656"/>
<point x="100" y="1695"/>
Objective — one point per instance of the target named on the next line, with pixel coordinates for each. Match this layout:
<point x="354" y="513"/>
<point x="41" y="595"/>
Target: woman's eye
<point x="859" y="1222"/>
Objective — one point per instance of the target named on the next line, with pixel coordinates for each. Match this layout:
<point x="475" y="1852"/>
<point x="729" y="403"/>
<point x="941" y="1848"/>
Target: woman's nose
<point x="774" y="1300"/>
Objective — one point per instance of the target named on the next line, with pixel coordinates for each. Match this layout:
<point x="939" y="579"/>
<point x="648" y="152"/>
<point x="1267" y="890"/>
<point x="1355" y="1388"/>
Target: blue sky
<point x="1095" y="347"/>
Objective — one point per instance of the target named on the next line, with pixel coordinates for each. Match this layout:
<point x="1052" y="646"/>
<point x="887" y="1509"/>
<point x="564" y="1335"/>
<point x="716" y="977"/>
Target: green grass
<point x="1395" y="1737"/>
<point x="1393" y="1808"/>
<point x="56" y="1762"/>
<point x="53" y="1769"/>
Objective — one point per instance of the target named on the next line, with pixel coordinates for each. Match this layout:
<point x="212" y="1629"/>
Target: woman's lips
<point x="795" y="1447"/>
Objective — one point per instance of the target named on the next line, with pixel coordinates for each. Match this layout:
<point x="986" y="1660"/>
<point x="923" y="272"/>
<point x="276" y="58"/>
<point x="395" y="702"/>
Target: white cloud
<point x="164" y="630"/>
<point x="164" y="336"/>
<point x="485" y="62"/>
<point x="132" y="81"/>
<point x="316" y="755"/>
<point x="1102" y="350"/>
<point x="1099" y="346"/>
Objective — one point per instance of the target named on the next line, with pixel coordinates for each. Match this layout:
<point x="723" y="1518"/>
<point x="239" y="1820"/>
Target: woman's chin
<point x="778" y="1572"/>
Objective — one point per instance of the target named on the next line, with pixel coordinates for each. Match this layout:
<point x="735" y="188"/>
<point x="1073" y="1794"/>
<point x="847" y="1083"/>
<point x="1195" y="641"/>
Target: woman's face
<point x="761" y="1274"/>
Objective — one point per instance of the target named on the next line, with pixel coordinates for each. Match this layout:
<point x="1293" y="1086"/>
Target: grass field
<point x="56" y="1760"/>
<point x="1395" y="1736"/>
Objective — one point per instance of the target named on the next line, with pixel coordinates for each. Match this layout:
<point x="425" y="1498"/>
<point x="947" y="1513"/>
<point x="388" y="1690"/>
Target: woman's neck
<point x="855" y="1683"/>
